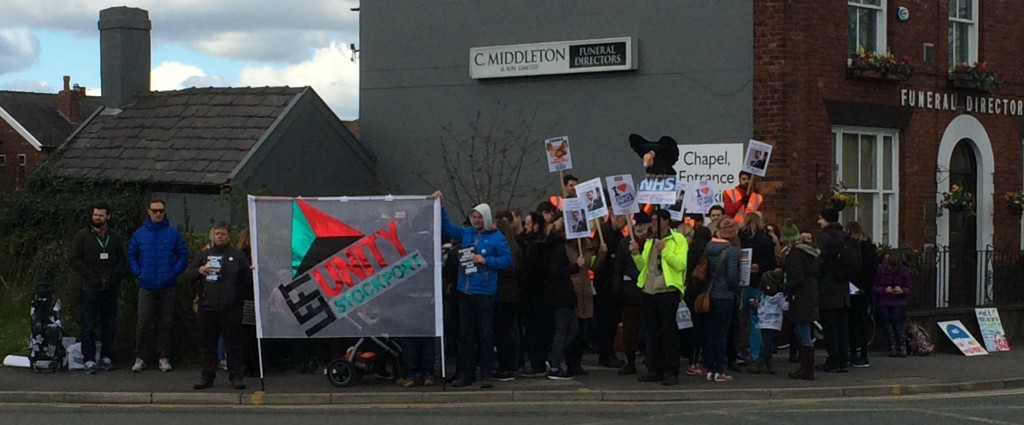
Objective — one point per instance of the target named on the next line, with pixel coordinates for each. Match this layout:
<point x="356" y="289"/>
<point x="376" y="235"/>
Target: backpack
<point x="845" y="261"/>
<point x="46" y="350"/>
<point x="918" y="343"/>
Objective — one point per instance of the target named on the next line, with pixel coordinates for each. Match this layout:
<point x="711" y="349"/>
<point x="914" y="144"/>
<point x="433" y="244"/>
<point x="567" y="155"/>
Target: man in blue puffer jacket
<point x="487" y="251"/>
<point x="157" y="254"/>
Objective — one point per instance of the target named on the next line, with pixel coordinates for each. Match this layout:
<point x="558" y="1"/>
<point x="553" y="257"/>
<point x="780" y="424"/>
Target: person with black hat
<point x="662" y="266"/>
<point x="800" y="260"/>
<point x="834" y="293"/>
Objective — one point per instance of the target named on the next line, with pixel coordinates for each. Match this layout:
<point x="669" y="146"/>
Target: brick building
<point x="899" y="142"/>
<point x="34" y="124"/>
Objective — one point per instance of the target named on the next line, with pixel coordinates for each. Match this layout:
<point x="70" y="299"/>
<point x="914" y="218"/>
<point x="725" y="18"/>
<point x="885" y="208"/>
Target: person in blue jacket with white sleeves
<point x="484" y="252"/>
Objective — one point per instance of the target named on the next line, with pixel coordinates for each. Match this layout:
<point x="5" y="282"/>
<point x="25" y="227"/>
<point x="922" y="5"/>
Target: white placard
<point x="557" y="151"/>
<point x="957" y="333"/>
<point x="593" y="194"/>
<point x="756" y="160"/>
<point x="623" y="194"/>
<point x="702" y="196"/>
<point x="992" y="332"/>
<point x="574" y="211"/>
<point x="657" y="190"/>
<point x="746" y="254"/>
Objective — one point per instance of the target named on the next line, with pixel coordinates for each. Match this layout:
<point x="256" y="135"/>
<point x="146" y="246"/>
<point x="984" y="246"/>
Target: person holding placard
<point x="477" y="286"/>
<point x="662" y="266"/>
<point x="742" y="199"/>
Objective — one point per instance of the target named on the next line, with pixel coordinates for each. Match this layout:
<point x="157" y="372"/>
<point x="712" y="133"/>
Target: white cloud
<point x="330" y="72"/>
<point x="171" y="75"/>
<point x="280" y="31"/>
<point x="19" y="49"/>
<point x="30" y="86"/>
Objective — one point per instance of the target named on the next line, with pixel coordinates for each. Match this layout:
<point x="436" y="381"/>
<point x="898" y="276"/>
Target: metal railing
<point x="945" y="277"/>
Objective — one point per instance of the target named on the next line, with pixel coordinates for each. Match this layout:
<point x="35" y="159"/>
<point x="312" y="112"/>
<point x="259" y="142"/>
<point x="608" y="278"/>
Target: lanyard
<point x="103" y="244"/>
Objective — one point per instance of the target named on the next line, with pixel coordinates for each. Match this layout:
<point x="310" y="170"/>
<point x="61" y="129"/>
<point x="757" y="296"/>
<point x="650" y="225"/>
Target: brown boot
<point x="806" y="371"/>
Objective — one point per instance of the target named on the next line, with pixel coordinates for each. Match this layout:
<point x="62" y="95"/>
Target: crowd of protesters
<point x="531" y="302"/>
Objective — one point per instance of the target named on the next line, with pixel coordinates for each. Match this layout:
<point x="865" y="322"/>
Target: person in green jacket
<point x="662" y="266"/>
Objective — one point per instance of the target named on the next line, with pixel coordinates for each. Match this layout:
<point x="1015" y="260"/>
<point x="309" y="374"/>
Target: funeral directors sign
<point x="562" y="57"/>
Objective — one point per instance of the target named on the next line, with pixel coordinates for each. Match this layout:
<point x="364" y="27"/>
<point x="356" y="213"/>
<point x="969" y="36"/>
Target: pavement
<point x="938" y="373"/>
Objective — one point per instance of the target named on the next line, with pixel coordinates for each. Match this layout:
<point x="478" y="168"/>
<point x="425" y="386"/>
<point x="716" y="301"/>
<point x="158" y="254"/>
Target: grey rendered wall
<point x="694" y="79"/>
<point x="307" y="155"/>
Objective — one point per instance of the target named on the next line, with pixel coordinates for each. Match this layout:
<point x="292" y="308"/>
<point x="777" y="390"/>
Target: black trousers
<point x="859" y="306"/>
<point x="607" y="315"/>
<point x="216" y="324"/>
<point x="662" y="333"/>
<point x="835" y="324"/>
<point x="539" y="322"/>
<point x="506" y="335"/>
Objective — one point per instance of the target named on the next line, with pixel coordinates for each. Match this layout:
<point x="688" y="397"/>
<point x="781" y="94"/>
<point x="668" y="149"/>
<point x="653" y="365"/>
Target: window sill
<point x="870" y="74"/>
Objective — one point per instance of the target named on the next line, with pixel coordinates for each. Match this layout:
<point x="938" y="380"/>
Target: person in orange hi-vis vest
<point x="738" y="202"/>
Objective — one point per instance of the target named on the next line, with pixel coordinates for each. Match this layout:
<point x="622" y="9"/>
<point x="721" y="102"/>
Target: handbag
<point x="700" y="273"/>
<point x="703" y="302"/>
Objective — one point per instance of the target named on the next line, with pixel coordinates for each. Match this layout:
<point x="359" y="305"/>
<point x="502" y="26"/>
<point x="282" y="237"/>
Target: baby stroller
<point x="379" y="355"/>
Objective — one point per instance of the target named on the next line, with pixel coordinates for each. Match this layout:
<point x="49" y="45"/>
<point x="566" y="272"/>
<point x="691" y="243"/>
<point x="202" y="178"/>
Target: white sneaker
<point x="222" y="365"/>
<point x="106" y="364"/>
<point x="165" y="365"/>
<point x="139" y="365"/>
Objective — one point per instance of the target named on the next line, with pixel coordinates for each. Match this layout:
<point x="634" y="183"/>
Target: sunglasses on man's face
<point x="156" y="211"/>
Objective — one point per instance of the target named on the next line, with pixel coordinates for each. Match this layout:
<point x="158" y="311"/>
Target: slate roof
<point x="38" y="113"/>
<point x="192" y="136"/>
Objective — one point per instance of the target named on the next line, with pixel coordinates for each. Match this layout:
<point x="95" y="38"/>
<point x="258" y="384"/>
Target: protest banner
<point x="963" y="340"/>
<point x="593" y="194"/>
<point x="623" y="194"/>
<point x="992" y="329"/>
<point x="717" y="163"/>
<point x="557" y="151"/>
<point x="677" y="209"/>
<point x="574" y="212"/>
<point x="653" y="190"/>
<point x="346" y="267"/>
<point x="756" y="160"/>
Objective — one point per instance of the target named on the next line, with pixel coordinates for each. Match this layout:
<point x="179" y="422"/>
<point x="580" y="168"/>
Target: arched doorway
<point x="965" y="134"/>
<point x="963" y="229"/>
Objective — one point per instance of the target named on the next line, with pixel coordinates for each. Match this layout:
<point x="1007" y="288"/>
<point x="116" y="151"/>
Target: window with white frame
<point x="866" y="161"/>
<point x="22" y="160"/>
<point x="867" y="26"/>
<point x="963" y="31"/>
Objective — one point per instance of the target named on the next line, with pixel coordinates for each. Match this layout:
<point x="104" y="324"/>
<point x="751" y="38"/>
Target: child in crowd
<point x="770" y="308"/>
<point x="892" y="290"/>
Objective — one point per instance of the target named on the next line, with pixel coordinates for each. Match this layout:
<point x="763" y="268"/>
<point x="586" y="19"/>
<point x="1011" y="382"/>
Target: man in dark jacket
<point x="97" y="255"/>
<point x="157" y="254"/>
<point x="834" y="295"/>
<point x="608" y="300"/>
<point x="537" y="317"/>
<point x="219" y="277"/>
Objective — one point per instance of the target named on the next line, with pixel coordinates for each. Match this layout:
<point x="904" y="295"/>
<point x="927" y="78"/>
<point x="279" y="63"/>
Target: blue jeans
<point x="476" y="334"/>
<point x="755" y="333"/>
<point x="719" y="320"/>
<point x="892" y="318"/>
<point x="567" y="326"/>
<point x="102" y="305"/>
<point x="803" y="334"/>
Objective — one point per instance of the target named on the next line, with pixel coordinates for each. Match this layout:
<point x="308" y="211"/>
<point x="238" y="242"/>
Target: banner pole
<point x="259" y="349"/>
<point x="600" y="232"/>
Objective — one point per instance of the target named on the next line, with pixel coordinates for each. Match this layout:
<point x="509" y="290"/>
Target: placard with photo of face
<point x="593" y="194"/>
<point x="574" y="212"/>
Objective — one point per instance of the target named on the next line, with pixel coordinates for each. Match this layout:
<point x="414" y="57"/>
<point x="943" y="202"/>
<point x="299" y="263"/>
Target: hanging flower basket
<point x="958" y="200"/>
<point x="1015" y="203"/>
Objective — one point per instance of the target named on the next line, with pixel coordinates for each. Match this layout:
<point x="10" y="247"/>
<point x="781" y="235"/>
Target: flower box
<point x="974" y="77"/>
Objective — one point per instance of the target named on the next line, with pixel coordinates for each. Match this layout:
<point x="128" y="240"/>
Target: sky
<point x="196" y="43"/>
